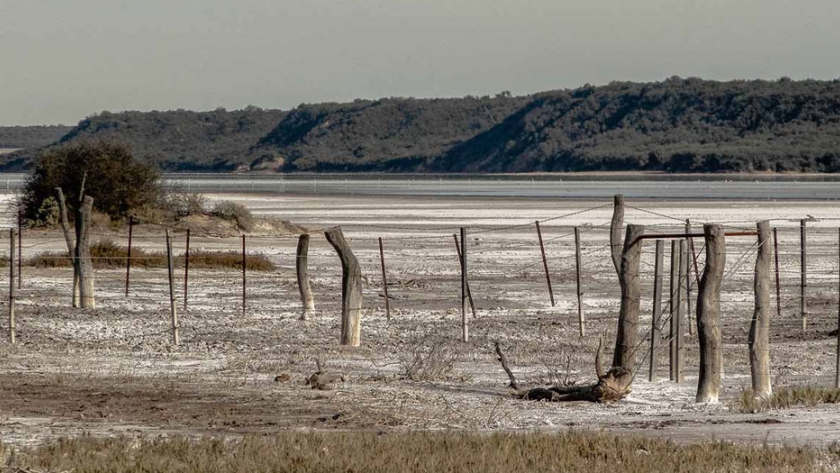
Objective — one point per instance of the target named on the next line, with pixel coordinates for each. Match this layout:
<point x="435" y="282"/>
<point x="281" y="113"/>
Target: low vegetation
<point x="439" y="452"/>
<point x="108" y="255"/>
<point x="787" y="397"/>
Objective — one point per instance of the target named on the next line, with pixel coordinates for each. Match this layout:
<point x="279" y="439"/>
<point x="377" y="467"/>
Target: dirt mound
<point x="207" y="225"/>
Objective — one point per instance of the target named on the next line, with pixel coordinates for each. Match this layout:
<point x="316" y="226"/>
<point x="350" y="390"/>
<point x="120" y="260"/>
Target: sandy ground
<point x="113" y="370"/>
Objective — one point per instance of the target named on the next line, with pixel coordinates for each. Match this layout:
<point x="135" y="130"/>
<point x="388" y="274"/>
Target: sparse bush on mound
<point x="786" y="397"/>
<point x="234" y="212"/>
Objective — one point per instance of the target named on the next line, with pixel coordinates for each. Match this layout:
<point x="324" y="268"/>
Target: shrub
<point x="786" y="397"/>
<point x="182" y="204"/>
<point x="234" y="212"/>
<point x="48" y="215"/>
<point x="117" y="182"/>
<point x="427" y="357"/>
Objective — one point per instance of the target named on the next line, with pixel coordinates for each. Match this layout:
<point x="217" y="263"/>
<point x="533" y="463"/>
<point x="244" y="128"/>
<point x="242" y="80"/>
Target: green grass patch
<point x="411" y="452"/>
<point x="108" y="255"/>
<point x="786" y="397"/>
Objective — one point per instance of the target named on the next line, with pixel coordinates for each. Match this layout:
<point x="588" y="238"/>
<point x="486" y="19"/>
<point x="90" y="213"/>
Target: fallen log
<point x="611" y="386"/>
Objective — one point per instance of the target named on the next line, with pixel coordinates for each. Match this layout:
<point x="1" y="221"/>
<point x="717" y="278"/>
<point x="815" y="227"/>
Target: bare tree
<point x="83" y="278"/>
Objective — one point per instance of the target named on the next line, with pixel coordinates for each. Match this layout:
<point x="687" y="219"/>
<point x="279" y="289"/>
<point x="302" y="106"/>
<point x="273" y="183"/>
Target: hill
<point x="677" y="125"/>
<point x="12" y="137"/>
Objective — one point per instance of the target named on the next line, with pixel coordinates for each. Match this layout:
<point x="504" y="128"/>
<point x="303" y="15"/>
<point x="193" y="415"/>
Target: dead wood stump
<point x="351" y="288"/>
<point x="708" y="315"/>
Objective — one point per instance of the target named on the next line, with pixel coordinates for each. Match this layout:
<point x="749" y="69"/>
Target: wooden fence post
<point x="465" y="335"/>
<point x="460" y="262"/>
<point x="708" y="315"/>
<point x="128" y="256"/>
<point x="803" y="281"/>
<point x="20" y="249"/>
<point x="12" y="327"/>
<point x="778" y="286"/>
<point x="687" y="257"/>
<point x="384" y="280"/>
<point x="244" y="270"/>
<point x="307" y="302"/>
<point x="351" y="288"/>
<point x="545" y="264"/>
<point x="759" y="341"/>
<point x="679" y="340"/>
<point x="176" y="337"/>
<point x="837" y="361"/>
<point x="186" y="270"/>
<point x="674" y="313"/>
<point x="615" y="232"/>
<point x="628" y="314"/>
<point x="655" y="333"/>
<point x="581" y="326"/>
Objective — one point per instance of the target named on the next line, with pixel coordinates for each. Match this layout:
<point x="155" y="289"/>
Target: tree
<point x="117" y="182"/>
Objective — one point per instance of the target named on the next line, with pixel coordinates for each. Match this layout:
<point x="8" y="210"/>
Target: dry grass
<point x="427" y="356"/>
<point x="439" y="452"/>
<point x="108" y="255"/>
<point x="787" y="397"/>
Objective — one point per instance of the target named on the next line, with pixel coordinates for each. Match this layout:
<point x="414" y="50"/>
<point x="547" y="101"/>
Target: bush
<point x="48" y="215"/>
<point x="231" y="211"/>
<point x="181" y="204"/>
<point x="117" y="182"/>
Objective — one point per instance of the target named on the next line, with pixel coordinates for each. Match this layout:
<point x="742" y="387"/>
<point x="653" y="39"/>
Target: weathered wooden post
<point x="803" y="281"/>
<point x="20" y="248"/>
<point x="244" y="272"/>
<point x="461" y="263"/>
<point x="759" y="340"/>
<point x="173" y="311"/>
<point x="307" y="302"/>
<point x="128" y="255"/>
<point x="687" y="258"/>
<point x="837" y="361"/>
<point x="465" y="334"/>
<point x="615" y="232"/>
<point x="85" y="266"/>
<point x="351" y="288"/>
<point x="655" y="333"/>
<point x="186" y="269"/>
<point x="708" y="315"/>
<point x="545" y="264"/>
<point x="581" y="327"/>
<point x="778" y="286"/>
<point x="675" y="326"/>
<point x="12" y="327"/>
<point x="384" y="280"/>
<point x="628" y="314"/>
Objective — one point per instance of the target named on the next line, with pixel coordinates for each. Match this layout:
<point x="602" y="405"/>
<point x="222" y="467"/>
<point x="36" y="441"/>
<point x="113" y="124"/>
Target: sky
<point x="63" y="60"/>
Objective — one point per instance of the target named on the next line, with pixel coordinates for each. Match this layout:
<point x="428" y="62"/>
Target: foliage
<point x="184" y="204"/>
<point x="410" y="452"/>
<point x="111" y="175"/>
<point x="234" y="212"/>
<point x="48" y="215"/>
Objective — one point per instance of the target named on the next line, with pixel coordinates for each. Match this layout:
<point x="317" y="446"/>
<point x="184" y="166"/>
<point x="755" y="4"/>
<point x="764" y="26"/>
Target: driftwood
<point x="320" y="379"/>
<point x="302" y="267"/>
<point x="611" y="386"/>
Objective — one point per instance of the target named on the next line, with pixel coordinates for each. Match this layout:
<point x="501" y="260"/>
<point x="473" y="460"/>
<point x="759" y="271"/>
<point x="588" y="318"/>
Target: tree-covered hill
<point x="678" y="125"/>
<point x="388" y="134"/>
<point x="13" y="137"/>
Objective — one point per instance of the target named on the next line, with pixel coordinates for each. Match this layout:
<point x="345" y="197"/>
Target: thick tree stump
<point x="615" y="232"/>
<point x="760" y="328"/>
<point x="351" y="288"/>
<point x="302" y="266"/>
<point x="628" y="315"/>
<point x="708" y="315"/>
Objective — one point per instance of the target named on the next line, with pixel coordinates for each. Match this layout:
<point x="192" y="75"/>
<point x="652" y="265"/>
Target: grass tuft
<point x="409" y="452"/>
<point x="787" y="397"/>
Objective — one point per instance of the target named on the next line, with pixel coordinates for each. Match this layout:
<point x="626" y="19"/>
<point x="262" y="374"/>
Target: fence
<point x="507" y="274"/>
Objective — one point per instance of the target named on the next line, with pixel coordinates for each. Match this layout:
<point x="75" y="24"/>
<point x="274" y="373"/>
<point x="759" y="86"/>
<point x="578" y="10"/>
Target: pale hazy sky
<point x="61" y="60"/>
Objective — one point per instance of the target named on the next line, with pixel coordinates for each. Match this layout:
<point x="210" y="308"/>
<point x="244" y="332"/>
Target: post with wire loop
<point x="12" y="286"/>
<point x="128" y="255"/>
<point x="465" y="335"/>
<point x="186" y="269"/>
<point x="581" y="327"/>
<point x="545" y="264"/>
<point x="655" y="333"/>
<point x="176" y="337"/>
<point x="460" y="263"/>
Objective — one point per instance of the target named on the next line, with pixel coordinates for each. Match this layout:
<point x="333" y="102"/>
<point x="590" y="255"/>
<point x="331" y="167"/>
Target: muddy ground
<point x="113" y="370"/>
